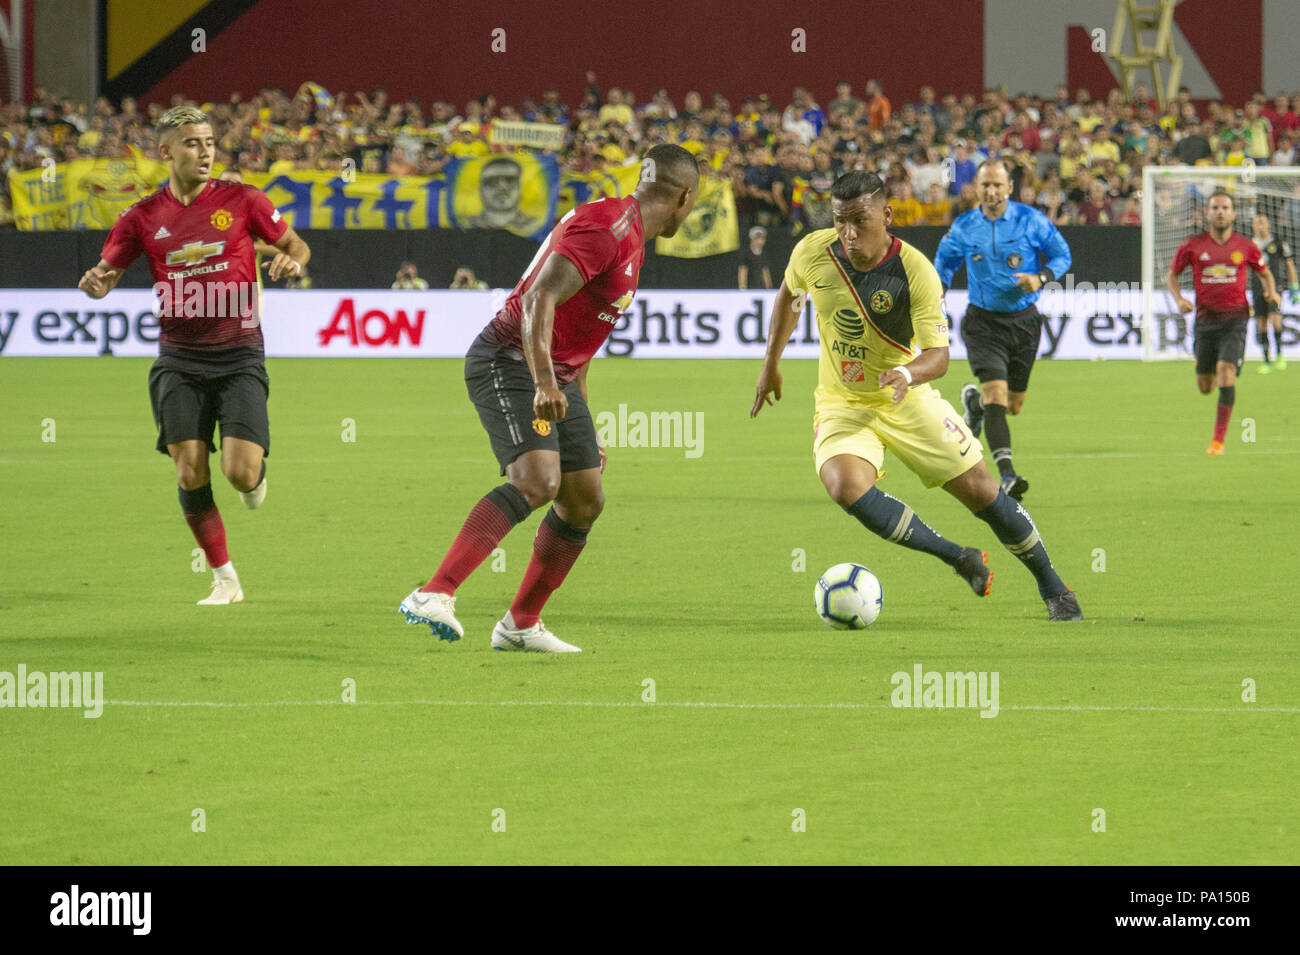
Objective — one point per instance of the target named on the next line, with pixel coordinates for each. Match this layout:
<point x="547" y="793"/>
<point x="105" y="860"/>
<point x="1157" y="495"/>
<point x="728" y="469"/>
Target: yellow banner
<point x="512" y="191"/>
<point x="711" y="227"/>
<point x="310" y="199"/>
<point x="579" y="187"/>
<point x="82" y="194"/>
<point x="521" y="192"/>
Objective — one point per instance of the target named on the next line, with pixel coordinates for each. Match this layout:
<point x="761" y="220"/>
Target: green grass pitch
<point x="692" y="579"/>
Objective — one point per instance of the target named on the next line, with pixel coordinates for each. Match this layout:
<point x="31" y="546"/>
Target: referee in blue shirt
<point x="1010" y="251"/>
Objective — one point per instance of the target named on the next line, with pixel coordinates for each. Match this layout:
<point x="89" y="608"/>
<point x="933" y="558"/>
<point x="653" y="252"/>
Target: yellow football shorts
<point x="924" y="432"/>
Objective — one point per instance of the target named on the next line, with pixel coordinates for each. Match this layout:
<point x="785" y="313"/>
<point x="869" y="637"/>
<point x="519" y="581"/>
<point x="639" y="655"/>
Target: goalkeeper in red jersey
<point x="1220" y="259"/>
<point x="527" y="377"/>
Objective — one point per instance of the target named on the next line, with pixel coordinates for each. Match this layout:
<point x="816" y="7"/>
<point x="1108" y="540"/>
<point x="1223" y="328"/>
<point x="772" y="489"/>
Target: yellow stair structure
<point x="1151" y="26"/>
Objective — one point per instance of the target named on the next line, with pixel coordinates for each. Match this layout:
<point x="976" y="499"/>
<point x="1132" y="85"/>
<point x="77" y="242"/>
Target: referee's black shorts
<point x="502" y="390"/>
<point x="1002" y="346"/>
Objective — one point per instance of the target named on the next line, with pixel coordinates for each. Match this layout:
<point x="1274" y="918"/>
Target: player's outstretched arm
<point x="557" y="282"/>
<point x="100" y="280"/>
<point x="785" y="316"/>
<point x="292" y="258"/>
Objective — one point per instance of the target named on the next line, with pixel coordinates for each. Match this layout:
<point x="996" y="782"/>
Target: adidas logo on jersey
<point x="162" y="233"/>
<point x="1205" y="256"/>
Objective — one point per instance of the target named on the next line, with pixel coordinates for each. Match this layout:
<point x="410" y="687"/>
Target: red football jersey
<point x="606" y="241"/>
<point x="1219" y="274"/>
<point x="195" y="252"/>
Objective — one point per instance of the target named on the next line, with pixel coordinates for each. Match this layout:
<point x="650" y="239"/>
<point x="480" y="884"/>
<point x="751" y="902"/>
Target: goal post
<point x="1173" y="209"/>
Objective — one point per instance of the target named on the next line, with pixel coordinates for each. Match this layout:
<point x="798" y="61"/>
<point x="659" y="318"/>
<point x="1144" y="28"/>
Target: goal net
<point x="1174" y="200"/>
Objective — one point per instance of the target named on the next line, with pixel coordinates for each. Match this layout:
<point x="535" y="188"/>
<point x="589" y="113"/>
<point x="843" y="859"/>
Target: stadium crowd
<point x="1077" y="158"/>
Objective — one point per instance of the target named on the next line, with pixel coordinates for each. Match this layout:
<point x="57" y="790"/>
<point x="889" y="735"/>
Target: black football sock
<point x="894" y="521"/>
<point x="1262" y="338"/>
<point x="999" y="435"/>
<point x="1277" y="342"/>
<point x="1015" y="529"/>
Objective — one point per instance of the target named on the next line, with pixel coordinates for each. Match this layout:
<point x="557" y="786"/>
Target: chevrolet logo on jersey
<point x="192" y="253"/>
<point x="1219" y="274"/>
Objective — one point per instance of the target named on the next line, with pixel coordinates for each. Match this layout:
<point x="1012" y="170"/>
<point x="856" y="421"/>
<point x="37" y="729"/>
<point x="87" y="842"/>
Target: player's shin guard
<point x="999" y="436"/>
<point x="1277" y="343"/>
<point x="490" y="520"/>
<point x="1223" y="412"/>
<point x="1262" y="339"/>
<point x="205" y="522"/>
<point x="894" y="521"/>
<point x="1018" y="534"/>
<point x="555" y="550"/>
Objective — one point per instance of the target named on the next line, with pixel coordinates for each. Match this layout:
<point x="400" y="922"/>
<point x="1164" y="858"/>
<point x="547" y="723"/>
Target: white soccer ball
<point x="848" y="597"/>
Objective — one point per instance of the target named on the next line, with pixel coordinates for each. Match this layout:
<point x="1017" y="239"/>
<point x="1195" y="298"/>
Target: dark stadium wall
<point x="443" y="49"/>
<point x="368" y="258"/>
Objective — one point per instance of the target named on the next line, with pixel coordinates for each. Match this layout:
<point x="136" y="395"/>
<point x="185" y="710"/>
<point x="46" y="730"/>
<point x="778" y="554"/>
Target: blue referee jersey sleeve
<point x="993" y="250"/>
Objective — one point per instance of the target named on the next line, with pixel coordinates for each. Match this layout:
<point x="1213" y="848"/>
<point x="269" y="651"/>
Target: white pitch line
<point x="596" y="704"/>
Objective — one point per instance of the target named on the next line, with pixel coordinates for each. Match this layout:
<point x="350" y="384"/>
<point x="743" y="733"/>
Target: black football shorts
<point x="187" y="405"/>
<point x="1002" y="346"/>
<point x="1221" y="340"/>
<point x="502" y="390"/>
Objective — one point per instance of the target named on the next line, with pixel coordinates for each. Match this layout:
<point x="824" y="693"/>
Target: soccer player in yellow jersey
<point x="884" y="337"/>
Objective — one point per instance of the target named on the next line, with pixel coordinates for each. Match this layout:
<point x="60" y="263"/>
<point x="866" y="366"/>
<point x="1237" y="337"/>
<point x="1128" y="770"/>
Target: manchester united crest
<point x="221" y="219"/>
<point x="541" y="427"/>
<point x="1237" y="258"/>
<point x="881" y="302"/>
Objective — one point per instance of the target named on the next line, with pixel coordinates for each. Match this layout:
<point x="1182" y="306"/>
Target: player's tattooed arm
<point x="786" y="312"/>
<point x="932" y="363"/>
<point x="100" y="280"/>
<point x="557" y="282"/>
<point x="292" y="258"/>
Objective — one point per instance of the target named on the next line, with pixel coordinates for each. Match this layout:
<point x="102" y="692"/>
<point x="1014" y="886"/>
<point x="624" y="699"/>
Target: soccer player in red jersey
<point x="198" y="235"/>
<point x="1220" y="259"/>
<point x="527" y="376"/>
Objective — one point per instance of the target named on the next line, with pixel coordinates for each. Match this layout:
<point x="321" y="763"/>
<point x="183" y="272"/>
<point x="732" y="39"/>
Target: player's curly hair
<point x="179" y="116"/>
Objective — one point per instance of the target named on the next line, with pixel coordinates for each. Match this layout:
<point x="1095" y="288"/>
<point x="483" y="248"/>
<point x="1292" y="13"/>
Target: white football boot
<point x="436" y="610"/>
<point x="534" y="639"/>
<point x="254" y="498"/>
<point x="225" y="590"/>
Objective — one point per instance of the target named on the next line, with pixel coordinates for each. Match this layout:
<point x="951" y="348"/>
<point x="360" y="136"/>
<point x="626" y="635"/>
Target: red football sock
<point x="555" y="550"/>
<point x="211" y="535"/>
<point x="490" y="521"/>
<point x="1223" y="412"/>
